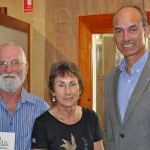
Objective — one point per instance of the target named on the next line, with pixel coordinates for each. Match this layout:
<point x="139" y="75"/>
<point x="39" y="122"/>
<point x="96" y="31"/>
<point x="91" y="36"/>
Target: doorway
<point x="89" y="25"/>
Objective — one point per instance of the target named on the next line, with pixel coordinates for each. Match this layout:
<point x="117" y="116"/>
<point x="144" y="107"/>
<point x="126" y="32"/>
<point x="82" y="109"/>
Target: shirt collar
<point x="137" y="66"/>
<point x="25" y="97"/>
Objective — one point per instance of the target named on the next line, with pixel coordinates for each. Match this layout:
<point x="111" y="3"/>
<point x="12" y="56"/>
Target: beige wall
<point x="62" y="25"/>
<point x="54" y="31"/>
<point x="37" y="53"/>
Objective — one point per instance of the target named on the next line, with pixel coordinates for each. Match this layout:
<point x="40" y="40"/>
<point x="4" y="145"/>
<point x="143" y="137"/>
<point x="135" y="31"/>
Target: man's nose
<point x="8" y="68"/>
<point x="127" y="36"/>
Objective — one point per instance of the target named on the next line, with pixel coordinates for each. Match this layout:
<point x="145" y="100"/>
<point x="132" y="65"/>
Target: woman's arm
<point x="98" y="145"/>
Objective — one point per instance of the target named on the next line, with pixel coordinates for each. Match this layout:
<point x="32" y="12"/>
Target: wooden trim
<point x="98" y="23"/>
<point x="85" y="42"/>
<point x="14" y="23"/>
<point x="148" y="16"/>
<point x="89" y="25"/>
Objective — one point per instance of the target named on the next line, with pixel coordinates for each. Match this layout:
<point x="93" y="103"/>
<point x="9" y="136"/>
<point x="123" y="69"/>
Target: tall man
<point x="127" y="87"/>
<point x="18" y="108"/>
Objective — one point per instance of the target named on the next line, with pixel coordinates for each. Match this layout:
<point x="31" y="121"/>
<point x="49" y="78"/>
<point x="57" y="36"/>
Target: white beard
<point x="10" y="82"/>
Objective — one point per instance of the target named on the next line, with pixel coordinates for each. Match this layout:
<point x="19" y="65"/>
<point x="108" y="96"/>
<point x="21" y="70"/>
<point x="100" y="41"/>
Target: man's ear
<point x="147" y="31"/>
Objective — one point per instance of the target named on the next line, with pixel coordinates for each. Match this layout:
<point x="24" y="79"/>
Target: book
<point x="7" y="141"/>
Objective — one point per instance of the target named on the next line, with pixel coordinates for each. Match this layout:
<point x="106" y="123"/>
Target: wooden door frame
<point x="88" y="25"/>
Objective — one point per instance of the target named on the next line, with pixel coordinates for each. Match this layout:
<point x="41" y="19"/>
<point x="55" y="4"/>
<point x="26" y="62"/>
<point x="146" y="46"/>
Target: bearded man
<point x="18" y="108"/>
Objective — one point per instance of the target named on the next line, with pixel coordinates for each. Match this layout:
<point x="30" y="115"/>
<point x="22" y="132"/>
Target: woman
<point x="66" y="126"/>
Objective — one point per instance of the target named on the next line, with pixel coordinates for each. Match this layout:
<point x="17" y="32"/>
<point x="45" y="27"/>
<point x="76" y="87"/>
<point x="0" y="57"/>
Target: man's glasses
<point x="13" y="63"/>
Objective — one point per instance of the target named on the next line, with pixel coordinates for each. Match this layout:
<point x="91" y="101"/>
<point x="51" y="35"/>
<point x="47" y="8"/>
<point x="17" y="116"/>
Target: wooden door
<point x="89" y="25"/>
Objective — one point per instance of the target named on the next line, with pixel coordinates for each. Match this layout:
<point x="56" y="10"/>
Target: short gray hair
<point x="24" y="59"/>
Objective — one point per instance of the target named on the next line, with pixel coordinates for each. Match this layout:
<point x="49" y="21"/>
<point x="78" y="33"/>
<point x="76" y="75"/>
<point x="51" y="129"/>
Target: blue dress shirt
<point x="128" y="82"/>
<point x="22" y="120"/>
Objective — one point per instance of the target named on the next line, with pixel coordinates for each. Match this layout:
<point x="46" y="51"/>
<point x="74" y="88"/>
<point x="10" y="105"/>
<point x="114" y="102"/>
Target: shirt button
<point x="122" y="135"/>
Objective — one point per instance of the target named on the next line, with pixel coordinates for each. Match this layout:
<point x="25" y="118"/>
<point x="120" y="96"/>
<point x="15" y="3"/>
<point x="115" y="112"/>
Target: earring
<point x="53" y="98"/>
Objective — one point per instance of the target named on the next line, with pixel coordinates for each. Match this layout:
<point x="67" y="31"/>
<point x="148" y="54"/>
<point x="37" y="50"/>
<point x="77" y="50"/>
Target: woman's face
<point x="66" y="90"/>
